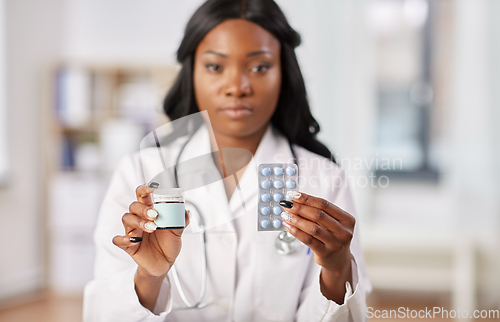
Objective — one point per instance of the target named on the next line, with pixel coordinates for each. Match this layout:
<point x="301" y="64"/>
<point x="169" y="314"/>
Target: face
<point x="237" y="77"/>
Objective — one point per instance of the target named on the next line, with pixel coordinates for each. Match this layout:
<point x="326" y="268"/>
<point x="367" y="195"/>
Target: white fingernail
<point x="293" y="194"/>
<point x="285" y="215"/>
<point x="150" y="225"/>
<point x="287" y="225"/>
<point x="152" y="213"/>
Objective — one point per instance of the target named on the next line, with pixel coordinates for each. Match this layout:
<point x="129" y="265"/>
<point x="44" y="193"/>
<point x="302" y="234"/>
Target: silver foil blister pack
<point x="275" y="180"/>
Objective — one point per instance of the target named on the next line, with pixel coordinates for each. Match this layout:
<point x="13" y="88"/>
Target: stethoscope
<point x="285" y="244"/>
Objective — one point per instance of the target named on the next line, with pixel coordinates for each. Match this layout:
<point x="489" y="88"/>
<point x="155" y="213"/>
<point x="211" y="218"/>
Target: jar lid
<point x="171" y="192"/>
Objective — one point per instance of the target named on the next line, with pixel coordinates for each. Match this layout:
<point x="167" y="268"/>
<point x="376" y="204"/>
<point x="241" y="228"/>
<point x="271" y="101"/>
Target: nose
<point x="237" y="85"/>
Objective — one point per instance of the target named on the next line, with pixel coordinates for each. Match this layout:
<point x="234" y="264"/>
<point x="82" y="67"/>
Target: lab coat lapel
<point x="220" y="239"/>
<point x="273" y="148"/>
<point x="211" y="197"/>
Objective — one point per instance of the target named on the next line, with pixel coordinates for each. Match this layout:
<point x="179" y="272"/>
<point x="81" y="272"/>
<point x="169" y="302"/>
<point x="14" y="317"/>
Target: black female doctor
<point x="239" y="65"/>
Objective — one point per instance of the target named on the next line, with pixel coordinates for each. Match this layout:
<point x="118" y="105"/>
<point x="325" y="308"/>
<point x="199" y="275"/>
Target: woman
<point x="239" y="66"/>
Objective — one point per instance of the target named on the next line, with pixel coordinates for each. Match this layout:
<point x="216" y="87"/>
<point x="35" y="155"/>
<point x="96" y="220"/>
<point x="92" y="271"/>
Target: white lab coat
<point x="247" y="279"/>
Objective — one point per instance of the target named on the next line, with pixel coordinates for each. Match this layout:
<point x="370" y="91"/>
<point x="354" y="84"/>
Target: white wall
<point x="126" y="30"/>
<point x="471" y="161"/>
<point x="471" y="175"/>
<point x="33" y="41"/>
<point x="3" y="102"/>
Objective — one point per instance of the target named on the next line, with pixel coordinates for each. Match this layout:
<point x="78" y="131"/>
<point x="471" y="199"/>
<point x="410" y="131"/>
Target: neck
<point x="250" y="142"/>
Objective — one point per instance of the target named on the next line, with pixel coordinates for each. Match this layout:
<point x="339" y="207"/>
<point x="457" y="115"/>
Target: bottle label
<point x="170" y="215"/>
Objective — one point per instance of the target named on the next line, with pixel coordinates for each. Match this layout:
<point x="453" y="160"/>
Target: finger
<point x="314" y="214"/>
<point x="312" y="228"/>
<point x="143" y="192"/>
<point x="187" y="216"/>
<point x="126" y="241"/>
<point x="142" y="210"/>
<point x="323" y="204"/>
<point x="132" y="222"/>
<point x="342" y="233"/>
<point x="313" y="243"/>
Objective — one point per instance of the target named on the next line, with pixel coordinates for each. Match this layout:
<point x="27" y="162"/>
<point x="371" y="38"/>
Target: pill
<point x="265" y="197"/>
<point x="265" y="184"/>
<point x="278" y="184"/>
<point x="277" y="197"/>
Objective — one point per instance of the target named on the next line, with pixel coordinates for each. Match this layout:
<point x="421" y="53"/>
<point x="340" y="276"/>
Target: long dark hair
<point x="292" y="117"/>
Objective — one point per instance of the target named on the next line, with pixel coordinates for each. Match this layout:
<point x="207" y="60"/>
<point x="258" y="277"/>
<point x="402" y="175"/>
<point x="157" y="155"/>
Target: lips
<point x="236" y="111"/>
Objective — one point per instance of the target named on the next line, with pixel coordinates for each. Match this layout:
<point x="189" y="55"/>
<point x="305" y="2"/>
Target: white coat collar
<point x="273" y="148"/>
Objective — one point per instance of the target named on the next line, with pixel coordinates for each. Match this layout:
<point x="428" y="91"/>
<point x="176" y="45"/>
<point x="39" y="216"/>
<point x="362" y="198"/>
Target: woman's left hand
<point x="327" y="230"/>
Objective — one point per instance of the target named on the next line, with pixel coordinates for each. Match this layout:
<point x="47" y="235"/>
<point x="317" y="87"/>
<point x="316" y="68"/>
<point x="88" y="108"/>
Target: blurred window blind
<point x="3" y="105"/>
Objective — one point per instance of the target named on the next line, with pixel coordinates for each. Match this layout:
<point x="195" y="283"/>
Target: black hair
<point x="293" y="116"/>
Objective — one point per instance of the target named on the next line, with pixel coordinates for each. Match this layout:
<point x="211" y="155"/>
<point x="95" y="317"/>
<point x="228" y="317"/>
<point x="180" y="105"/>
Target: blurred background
<point x="406" y="91"/>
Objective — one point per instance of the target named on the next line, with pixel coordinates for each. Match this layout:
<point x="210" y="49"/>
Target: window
<point x="402" y="31"/>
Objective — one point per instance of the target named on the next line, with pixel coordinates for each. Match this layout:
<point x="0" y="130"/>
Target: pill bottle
<point x="171" y="207"/>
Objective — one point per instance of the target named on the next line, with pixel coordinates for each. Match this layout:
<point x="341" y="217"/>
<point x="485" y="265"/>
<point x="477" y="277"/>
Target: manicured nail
<point x="293" y="194"/>
<point x="152" y="213"/>
<point x="136" y="239"/>
<point x="286" y="204"/>
<point x="152" y="186"/>
<point x="150" y="225"/>
<point x="287" y="225"/>
<point x="285" y="215"/>
<point x="188" y="213"/>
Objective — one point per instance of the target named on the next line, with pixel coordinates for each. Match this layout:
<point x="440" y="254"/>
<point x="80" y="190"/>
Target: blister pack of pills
<point x="275" y="180"/>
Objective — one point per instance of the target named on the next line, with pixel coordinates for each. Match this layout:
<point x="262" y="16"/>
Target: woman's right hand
<point x="157" y="251"/>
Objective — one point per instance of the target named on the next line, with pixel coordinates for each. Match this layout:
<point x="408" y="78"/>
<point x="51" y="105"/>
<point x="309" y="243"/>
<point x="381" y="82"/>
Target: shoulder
<point x="139" y="164"/>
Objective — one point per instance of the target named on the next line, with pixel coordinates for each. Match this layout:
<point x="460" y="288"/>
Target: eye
<point x="213" y="67"/>
<point x="261" y="68"/>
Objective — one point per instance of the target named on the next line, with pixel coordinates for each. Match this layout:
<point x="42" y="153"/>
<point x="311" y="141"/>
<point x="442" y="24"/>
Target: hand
<point x="153" y="250"/>
<point x="328" y="231"/>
